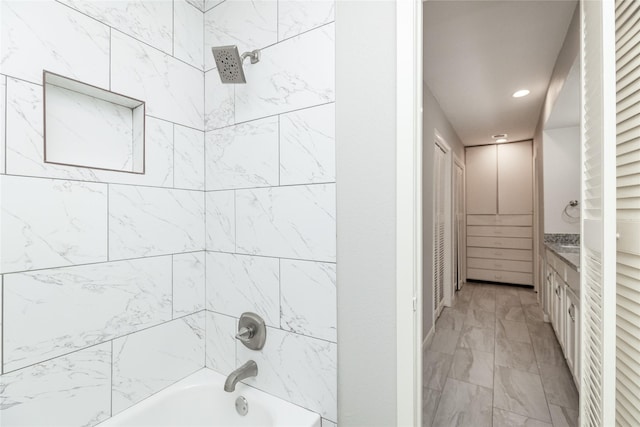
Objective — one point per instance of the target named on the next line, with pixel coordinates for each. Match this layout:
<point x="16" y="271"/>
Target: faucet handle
<point x="245" y="333"/>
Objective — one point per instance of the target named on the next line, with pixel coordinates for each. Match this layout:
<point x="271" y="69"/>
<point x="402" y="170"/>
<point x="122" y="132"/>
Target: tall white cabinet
<point x="500" y="213"/>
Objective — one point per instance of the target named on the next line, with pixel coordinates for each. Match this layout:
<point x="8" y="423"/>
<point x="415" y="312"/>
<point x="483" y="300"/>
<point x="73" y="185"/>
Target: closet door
<point x="438" y="230"/>
<point x="515" y="178"/>
<point x="481" y="170"/>
<point x="628" y="213"/>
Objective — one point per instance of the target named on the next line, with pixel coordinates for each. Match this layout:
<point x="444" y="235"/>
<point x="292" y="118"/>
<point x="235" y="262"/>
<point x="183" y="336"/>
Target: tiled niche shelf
<point x="90" y="127"/>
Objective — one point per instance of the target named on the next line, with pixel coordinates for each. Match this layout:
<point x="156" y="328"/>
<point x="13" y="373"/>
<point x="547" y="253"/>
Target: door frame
<point x="457" y="161"/>
<point x="409" y="212"/>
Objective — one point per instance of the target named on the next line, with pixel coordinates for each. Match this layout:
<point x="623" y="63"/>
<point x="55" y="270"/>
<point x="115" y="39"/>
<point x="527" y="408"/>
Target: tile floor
<point x="494" y="362"/>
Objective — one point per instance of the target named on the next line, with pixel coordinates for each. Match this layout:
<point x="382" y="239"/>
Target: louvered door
<point x="597" y="391"/>
<point x="439" y="230"/>
<point x="628" y="213"/>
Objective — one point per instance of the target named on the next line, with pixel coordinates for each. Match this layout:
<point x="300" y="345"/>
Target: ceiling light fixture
<point x="500" y="140"/>
<point x="520" y="93"/>
<point x="499" y="135"/>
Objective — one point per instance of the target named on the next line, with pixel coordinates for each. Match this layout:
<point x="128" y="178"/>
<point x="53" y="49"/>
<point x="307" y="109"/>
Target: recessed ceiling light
<point x="501" y="140"/>
<point x="520" y="93"/>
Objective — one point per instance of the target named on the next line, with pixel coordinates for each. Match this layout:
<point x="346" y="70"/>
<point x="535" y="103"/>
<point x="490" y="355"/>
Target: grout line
<point x="212" y="7"/>
<point x="269" y="257"/>
<point x="101" y="262"/>
<point x="282" y="113"/>
<point x="103" y="342"/>
<point x="271" y="187"/>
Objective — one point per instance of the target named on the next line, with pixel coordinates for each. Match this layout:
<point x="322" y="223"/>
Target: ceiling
<point x="477" y="53"/>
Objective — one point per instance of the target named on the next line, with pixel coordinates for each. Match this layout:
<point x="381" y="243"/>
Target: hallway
<point x="493" y="361"/>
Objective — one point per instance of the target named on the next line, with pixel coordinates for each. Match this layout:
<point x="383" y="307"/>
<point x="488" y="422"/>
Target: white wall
<point x="102" y="272"/>
<point x="366" y="196"/>
<point x="433" y="118"/>
<point x="561" y="178"/>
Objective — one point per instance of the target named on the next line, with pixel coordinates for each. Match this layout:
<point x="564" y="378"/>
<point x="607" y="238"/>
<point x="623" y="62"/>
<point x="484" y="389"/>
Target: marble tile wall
<point x="102" y="273"/>
<point x="270" y="183"/>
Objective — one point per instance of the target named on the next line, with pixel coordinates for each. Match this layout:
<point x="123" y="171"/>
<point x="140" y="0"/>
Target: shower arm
<point x="254" y="56"/>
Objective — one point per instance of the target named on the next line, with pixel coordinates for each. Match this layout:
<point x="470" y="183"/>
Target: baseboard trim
<point x="428" y="338"/>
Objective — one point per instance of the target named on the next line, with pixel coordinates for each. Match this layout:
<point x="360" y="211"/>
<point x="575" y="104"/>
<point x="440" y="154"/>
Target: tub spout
<point x="249" y="369"/>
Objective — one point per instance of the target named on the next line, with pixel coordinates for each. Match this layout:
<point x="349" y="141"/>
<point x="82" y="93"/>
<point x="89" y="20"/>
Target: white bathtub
<point x="200" y="400"/>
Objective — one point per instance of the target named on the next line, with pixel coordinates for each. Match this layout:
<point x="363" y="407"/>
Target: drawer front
<point x="500" y="242"/>
<point x="502" y="265"/>
<point x="494" y="231"/>
<point x="513" y="254"/>
<point x="500" y="276"/>
<point x="515" y="220"/>
<point x="573" y="279"/>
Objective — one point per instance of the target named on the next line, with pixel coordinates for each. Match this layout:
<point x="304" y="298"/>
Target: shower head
<point x="229" y="63"/>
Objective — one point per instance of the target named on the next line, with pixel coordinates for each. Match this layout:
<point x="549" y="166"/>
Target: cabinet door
<point x="481" y="172"/>
<point x="515" y="178"/>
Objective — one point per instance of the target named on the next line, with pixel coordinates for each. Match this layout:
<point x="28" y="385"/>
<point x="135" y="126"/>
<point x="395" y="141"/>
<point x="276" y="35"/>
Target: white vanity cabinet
<point x="562" y="304"/>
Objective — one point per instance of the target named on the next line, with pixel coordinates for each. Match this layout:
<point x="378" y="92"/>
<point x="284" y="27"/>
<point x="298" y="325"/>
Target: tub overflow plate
<point x="242" y="406"/>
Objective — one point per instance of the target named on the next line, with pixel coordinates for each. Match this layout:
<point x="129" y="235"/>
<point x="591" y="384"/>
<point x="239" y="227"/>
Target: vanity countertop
<point x="568" y="253"/>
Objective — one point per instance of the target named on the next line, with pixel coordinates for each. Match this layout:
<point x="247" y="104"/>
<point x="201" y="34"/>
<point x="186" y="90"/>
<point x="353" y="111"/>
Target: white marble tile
<point x="3" y="87"/>
<point x="295" y="17"/>
<point x="146" y="221"/>
<point x="25" y="154"/>
<point x="221" y="342"/>
<point x="148" y="361"/>
<point x="240" y="283"/>
<point x="52" y="312"/>
<point x="87" y="131"/>
<point x="221" y="223"/>
<point x="243" y="156"/>
<point x="189" y="157"/>
<point x="208" y="4"/>
<point x="294" y="74"/>
<point x="219" y="107"/>
<point x="198" y="4"/>
<point x="51" y="223"/>
<point x="1" y="329"/>
<point x="188" y="35"/>
<point x="290" y="222"/>
<point x="296" y="368"/>
<point x="307" y="146"/>
<point x="73" y="390"/>
<point x="50" y="36"/>
<point x="172" y="90"/>
<point x="326" y="423"/>
<point x="149" y="21"/>
<point x="188" y="283"/>
<point x="308" y="298"/>
<point x="249" y="25"/>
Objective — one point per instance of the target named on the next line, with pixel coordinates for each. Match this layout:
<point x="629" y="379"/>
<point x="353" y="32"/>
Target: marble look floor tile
<point x="528" y="297"/>
<point x="508" y="299"/>
<point x="509" y="419"/>
<point x="461" y="305"/>
<point x="451" y="318"/>
<point x="517" y="355"/>
<point x="533" y="312"/>
<point x="558" y="385"/>
<point x="545" y="344"/>
<point x="520" y="392"/>
<point x="435" y="368"/>
<point x="483" y="301"/>
<point x="472" y="366"/>
<point x="444" y="341"/>
<point x="480" y="319"/>
<point x="510" y="312"/>
<point x="465" y="294"/>
<point x="430" y="400"/>
<point x="463" y="404"/>
<point x="514" y="331"/>
<point x="477" y="338"/>
<point x="563" y="417"/>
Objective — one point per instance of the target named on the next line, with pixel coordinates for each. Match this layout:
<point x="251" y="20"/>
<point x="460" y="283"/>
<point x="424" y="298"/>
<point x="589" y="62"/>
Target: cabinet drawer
<point x="513" y="254"/>
<point x="502" y="265"/>
<point x="573" y="279"/>
<point x="499" y="242"/>
<point x="515" y="220"/>
<point x="500" y="276"/>
<point x="499" y="231"/>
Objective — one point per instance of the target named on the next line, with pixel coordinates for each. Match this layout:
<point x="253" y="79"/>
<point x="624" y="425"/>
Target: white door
<point x="458" y="227"/>
<point x="628" y="214"/>
<point x="598" y="293"/>
<point x="439" y="208"/>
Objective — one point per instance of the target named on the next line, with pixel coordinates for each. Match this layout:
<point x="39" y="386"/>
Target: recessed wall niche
<point x="90" y="127"/>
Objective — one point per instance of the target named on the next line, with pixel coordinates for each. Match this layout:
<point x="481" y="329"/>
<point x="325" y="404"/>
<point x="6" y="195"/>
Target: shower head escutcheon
<point x="229" y="63"/>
